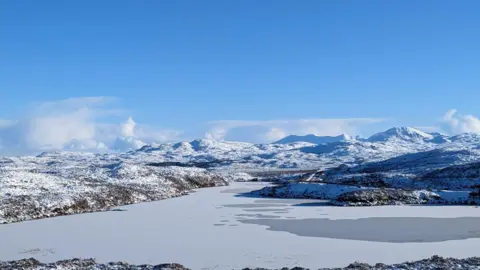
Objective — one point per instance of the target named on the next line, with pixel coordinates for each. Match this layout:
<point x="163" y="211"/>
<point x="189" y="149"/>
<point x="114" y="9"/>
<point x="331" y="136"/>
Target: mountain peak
<point x="403" y="133"/>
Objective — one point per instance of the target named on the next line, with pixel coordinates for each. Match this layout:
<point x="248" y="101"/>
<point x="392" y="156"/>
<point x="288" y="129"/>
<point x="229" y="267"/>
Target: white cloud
<point x="150" y="134"/>
<point x="55" y="130"/>
<point x="275" y="134"/>
<point x="455" y="123"/>
<point x="271" y="130"/>
<point x="75" y="123"/>
<point x="128" y="127"/>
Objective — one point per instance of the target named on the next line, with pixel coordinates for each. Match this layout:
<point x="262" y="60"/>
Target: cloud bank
<point x="75" y="124"/>
<point x="455" y="123"/>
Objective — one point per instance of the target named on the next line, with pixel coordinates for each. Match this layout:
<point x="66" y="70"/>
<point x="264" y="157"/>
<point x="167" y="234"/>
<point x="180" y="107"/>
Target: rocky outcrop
<point x="87" y="264"/>
<point x="353" y="195"/>
<point x="435" y="262"/>
<point x="319" y="191"/>
<point x="374" y="197"/>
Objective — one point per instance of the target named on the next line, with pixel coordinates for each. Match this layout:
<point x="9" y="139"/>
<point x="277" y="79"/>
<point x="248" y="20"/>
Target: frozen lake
<point x="217" y="229"/>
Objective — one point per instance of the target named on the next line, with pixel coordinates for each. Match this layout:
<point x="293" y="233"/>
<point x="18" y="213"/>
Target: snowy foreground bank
<point x="48" y="186"/>
<point x="435" y="262"/>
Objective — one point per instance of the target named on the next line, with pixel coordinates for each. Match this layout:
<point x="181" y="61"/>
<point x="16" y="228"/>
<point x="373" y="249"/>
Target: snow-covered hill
<point x="64" y="183"/>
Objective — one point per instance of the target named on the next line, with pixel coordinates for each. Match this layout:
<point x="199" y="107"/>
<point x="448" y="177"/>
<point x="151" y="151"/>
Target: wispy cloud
<point x="271" y="130"/>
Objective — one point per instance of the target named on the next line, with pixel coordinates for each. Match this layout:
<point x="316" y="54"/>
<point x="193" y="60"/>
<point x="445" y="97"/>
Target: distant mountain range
<point x="399" y="133"/>
<point x="306" y="152"/>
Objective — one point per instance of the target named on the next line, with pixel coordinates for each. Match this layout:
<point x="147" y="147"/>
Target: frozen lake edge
<point x="435" y="262"/>
<point x="208" y="229"/>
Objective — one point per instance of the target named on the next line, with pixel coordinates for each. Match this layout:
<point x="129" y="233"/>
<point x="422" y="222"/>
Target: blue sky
<point x="181" y="64"/>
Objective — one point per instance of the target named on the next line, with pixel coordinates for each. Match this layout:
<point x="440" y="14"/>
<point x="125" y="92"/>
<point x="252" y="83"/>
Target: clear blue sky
<point x="178" y="63"/>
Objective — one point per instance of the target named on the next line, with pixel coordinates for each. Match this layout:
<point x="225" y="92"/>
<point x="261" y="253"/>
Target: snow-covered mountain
<point x="305" y="155"/>
<point x="314" y="139"/>
<point x="292" y="152"/>
<point x="401" y="133"/>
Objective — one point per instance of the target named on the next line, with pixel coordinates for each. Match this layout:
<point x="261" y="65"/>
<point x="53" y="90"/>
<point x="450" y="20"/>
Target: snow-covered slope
<point x="63" y="183"/>
<point x="439" y="168"/>
<point x="401" y="133"/>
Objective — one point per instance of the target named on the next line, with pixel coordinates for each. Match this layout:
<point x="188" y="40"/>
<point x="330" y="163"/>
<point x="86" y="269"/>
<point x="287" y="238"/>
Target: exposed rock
<point x="433" y="263"/>
<point x="372" y="197"/>
<point x="87" y="264"/>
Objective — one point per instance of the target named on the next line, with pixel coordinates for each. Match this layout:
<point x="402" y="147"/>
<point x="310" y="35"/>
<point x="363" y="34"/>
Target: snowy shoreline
<point x="435" y="262"/>
<point x="36" y="190"/>
<point x="355" y="195"/>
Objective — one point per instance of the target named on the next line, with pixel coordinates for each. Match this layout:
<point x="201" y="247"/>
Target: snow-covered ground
<point x="69" y="183"/>
<point x="216" y="228"/>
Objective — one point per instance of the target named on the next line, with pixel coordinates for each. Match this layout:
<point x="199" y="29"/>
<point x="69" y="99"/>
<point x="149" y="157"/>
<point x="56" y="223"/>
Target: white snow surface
<point x="187" y="230"/>
<point x="402" y="133"/>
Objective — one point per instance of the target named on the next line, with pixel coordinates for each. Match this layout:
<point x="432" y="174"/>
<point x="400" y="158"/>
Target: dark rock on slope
<point x="87" y="264"/>
<point x="435" y="262"/>
<point x="374" y="197"/>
